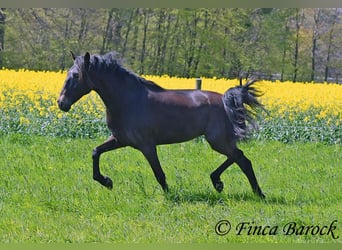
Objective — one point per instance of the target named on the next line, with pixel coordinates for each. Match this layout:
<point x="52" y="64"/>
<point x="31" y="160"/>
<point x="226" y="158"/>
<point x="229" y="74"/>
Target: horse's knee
<point x="95" y="154"/>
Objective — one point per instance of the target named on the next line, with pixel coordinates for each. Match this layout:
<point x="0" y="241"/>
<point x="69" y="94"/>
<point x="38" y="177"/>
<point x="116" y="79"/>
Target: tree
<point x="333" y="39"/>
<point x="2" y="31"/>
<point x="289" y="44"/>
<point x="317" y="17"/>
<point x="146" y="21"/>
<point x="296" y="47"/>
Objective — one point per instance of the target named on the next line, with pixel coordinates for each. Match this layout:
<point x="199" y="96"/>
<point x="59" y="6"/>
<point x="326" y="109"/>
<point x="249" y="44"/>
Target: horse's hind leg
<point x="215" y="176"/>
<point x="234" y="155"/>
<point x="246" y="167"/>
<point x="108" y="145"/>
<point x="220" y="145"/>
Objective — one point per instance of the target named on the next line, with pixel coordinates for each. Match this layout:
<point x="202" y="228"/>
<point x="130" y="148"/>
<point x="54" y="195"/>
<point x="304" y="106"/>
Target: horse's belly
<point x="180" y="130"/>
<point x="176" y="136"/>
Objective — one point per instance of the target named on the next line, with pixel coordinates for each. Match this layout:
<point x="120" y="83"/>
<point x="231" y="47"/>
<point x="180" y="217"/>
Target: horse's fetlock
<point x="96" y="177"/>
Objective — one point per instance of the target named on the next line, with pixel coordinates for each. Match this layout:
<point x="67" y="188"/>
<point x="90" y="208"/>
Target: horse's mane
<point x="113" y="62"/>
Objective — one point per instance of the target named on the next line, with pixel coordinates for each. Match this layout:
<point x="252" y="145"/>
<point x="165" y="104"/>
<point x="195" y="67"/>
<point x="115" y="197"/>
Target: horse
<point x="142" y="115"/>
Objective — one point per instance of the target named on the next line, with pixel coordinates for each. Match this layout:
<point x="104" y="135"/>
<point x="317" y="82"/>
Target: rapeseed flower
<point x="29" y="98"/>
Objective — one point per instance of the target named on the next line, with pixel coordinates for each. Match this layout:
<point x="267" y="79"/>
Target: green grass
<point x="47" y="193"/>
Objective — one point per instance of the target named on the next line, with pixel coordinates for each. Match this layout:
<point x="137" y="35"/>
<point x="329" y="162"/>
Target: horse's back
<point x="186" y="98"/>
<point x="181" y="115"/>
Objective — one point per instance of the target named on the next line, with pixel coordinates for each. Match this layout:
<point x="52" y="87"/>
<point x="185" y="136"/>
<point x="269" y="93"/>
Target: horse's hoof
<point x="166" y="188"/>
<point x="219" y="186"/>
<point x="217" y="183"/>
<point x="262" y="196"/>
<point x="108" y="183"/>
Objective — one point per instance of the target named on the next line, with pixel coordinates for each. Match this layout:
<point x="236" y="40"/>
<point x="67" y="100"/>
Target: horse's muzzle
<point x="63" y="104"/>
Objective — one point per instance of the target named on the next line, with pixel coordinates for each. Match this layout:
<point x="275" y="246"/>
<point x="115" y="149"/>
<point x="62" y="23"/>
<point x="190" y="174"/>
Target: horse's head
<point x="75" y="85"/>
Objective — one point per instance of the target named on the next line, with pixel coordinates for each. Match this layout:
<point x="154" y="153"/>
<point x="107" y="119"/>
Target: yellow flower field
<point x="280" y="95"/>
<point x="28" y="92"/>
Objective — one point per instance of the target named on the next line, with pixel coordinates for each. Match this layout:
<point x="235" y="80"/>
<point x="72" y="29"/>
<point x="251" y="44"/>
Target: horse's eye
<point x="75" y="75"/>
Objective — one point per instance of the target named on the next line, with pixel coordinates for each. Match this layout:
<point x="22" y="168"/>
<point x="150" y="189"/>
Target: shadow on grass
<point x="213" y="198"/>
<point x="183" y="196"/>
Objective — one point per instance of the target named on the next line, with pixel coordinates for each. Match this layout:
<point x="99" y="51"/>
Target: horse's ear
<point x="86" y="60"/>
<point x="73" y="55"/>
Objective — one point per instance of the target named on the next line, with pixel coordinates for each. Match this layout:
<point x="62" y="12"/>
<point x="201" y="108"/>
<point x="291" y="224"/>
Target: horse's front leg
<point x="111" y="144"/>
<point x="150" y="153"/>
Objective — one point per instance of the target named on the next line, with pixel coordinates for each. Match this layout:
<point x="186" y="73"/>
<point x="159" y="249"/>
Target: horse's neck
<point x="119" y="92"/>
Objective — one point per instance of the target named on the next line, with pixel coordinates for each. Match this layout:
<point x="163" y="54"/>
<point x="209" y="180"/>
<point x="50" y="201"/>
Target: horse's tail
<point x="234" y="100"/>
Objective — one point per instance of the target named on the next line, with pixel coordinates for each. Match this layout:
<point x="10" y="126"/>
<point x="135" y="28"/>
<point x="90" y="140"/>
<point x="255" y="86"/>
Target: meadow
<point x="47" y="193"/>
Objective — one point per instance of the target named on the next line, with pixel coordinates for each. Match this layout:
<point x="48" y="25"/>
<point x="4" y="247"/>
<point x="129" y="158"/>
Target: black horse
<point x="142" y="115"/>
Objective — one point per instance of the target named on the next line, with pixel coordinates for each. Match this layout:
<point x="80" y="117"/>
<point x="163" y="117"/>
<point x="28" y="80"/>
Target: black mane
<point x="113" y="62"/>
<point x="109" y="61"/>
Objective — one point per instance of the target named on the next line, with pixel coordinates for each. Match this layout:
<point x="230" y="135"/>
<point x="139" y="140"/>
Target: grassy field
<point x="47" y="193"/>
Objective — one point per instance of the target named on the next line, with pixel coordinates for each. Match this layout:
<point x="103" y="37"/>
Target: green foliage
<point x="47" y="193"/>
<point x="296" y="126"/>
<point x="196" y="42"/>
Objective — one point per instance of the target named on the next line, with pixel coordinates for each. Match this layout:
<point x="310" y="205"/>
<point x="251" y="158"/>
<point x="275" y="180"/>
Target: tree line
<point x="299" y="44"/>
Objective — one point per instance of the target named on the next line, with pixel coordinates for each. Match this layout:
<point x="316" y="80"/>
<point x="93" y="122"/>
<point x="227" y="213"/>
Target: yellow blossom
<point x="38" y="91"/>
